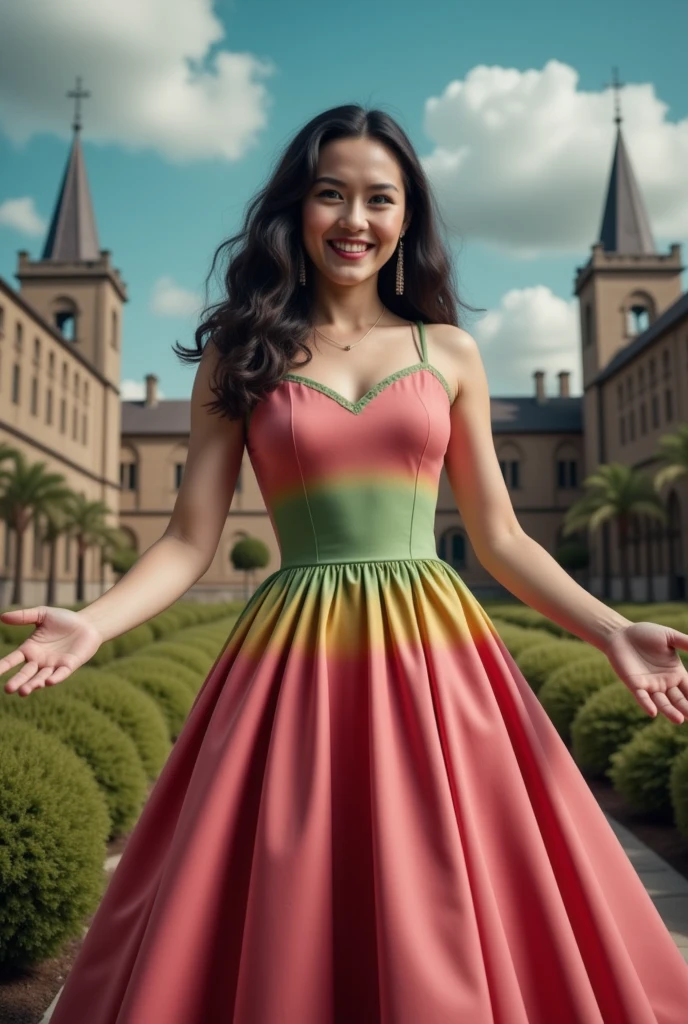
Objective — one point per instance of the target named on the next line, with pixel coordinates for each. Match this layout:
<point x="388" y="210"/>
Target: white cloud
<point x="156" y="76"/>
<point x="21" y="215"/>
<point x="532" y="329"/>
<point x="522" y="158"/>
<point x="170" y="299"/>
<point x="135" y="391"/>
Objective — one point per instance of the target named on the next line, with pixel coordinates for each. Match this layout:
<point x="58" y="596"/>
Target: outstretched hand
<point x="644" y="657"/>
<point x="62" y="641"/>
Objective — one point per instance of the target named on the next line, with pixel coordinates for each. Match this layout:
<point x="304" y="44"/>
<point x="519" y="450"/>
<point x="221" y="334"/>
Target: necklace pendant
<point x="347" y="347"/>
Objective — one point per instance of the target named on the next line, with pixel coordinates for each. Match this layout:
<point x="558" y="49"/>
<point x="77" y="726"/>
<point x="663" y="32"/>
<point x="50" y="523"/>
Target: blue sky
<point x="192" y="101"/>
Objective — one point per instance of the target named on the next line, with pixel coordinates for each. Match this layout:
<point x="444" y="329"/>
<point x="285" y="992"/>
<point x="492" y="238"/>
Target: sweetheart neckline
<point x="358" y="406"/>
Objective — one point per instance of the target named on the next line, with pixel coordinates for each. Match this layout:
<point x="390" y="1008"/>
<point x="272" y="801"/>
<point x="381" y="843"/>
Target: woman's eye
<point x="332" y="191"/>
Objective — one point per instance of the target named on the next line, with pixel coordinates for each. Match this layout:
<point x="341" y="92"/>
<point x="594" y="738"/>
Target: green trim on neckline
<point x="356" y="407"/>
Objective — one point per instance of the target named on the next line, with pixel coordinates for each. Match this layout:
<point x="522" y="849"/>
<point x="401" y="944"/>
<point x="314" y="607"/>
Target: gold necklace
<point x="345" y="348"/>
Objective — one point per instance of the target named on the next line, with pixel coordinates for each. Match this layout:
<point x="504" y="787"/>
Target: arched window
<point x="65" y="314"/>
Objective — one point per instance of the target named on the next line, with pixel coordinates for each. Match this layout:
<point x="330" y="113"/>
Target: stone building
<point x="60" y="352"/>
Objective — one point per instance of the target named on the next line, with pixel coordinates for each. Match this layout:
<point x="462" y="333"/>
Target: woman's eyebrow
<point x="338" y="181"/>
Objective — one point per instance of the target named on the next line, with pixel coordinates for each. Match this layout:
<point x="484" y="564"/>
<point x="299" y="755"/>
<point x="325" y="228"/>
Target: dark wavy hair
<point x="263" y="321"/>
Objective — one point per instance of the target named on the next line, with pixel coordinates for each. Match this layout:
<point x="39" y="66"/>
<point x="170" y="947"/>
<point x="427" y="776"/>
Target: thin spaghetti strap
<point x="423" y="346"/>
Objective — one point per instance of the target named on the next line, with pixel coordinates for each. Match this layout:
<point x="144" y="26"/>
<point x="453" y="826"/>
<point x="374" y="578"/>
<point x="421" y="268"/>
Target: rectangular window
<point x="514" y="475"/>
<point x="622" y="430"/>
<point x="631" y="425"/>
<point x="63" y="415"/>
<point x="84" y="428"/>
<point x="573" y="473"/>
<point x="16" y="383"/>
<point x="655" y="411"/>
<point x="668" y="405"/>
<point x="561" y="473"/>
<point x="34" y="396"/>
<point x="49" y="406"/>
<point x="643" y="419"/>
<point x="178" y="474"/>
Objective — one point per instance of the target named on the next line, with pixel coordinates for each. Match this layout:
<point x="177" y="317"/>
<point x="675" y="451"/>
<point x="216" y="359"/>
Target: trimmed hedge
<point x="53" y="829"/>
<point x="569" y="687"/>
<point x="641" y="770"/>
<point x="131" y="709"/>
<point x="516" y="638"/>
<point x="133" y="640"/>
<point x="538" y="662"/>
<point x="173" y="697"/>
<point x="149" y="664"/>
<point x="678" y="791"/>
<point x="607" y="721"/>
<point x="179" y="654"/>
<point x="108" y="752"/>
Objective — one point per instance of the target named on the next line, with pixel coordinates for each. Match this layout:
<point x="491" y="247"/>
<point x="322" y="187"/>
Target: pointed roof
<point x="72" y="237"/>
<point x="625" y="225"/>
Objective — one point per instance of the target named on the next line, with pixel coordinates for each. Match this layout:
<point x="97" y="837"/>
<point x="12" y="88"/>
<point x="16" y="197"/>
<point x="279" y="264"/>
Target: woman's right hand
<point x="62" y="641"/>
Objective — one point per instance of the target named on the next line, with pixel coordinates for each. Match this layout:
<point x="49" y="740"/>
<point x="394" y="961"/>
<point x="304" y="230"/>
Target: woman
<point x="368" y="816"/>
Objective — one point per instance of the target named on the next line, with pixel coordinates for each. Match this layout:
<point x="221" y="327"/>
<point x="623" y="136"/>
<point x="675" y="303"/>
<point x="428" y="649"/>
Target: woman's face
<point x="363" y="201"/>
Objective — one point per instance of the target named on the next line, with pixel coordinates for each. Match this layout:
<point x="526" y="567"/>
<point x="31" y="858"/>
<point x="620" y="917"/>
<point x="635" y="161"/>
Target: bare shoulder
<point x="453" y="351"/>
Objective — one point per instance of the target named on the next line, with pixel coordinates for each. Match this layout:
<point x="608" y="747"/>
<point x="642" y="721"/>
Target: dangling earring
<point x="302" y="268"/>
<point x="400" y="266"/>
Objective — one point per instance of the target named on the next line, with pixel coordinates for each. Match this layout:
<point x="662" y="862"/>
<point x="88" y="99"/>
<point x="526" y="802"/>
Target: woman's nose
<point x="354" y="217"/>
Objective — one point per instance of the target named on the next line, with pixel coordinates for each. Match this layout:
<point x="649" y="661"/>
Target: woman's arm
<point x="184" y="552"/>
<point x="502" y="547"/>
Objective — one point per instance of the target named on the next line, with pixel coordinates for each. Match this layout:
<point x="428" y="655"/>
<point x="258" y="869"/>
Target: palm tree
<point x="673" y="450"/>
<point x="7" y="452"/>
<point x="87" y="523"/>
<point x="55" y="525"/>
<point x="25" y="491"/>
<point x="616" y="494"/>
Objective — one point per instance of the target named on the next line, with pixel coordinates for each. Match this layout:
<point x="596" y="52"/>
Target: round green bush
<point x="605" y="722"/>
<point x="133" y="640"/>
<point x="538" y="662"/>
<point x="131" y="709"/>
<point x="108" y="752"/>
<point x="53" y="829"/>
<point x="173" y="697"/>
<point x="678" y="791"/>
<point x="641" y="769"/>
<point x="140" y="665"/>
<point x="568" y="688"/>
<point x="104" y="655"/>
<point x="180" y="654"/>
<point x="208" y="648"/>
<point x="516" y="638"/>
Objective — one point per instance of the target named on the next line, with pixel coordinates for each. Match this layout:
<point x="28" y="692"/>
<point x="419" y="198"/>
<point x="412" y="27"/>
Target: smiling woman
<point x="368" y="816"/>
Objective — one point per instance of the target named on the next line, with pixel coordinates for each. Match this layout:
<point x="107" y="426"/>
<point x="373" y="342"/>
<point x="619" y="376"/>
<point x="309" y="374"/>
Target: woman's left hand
<point x="643" y="655"/>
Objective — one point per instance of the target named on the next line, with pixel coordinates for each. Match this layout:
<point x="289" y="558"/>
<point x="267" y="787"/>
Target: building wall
<point x="77" y="440"/>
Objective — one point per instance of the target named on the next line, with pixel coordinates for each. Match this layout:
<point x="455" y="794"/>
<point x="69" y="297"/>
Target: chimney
<point x="539" y="385"/>
<point x="563" y="376"/>
<point x="151" y="391"/>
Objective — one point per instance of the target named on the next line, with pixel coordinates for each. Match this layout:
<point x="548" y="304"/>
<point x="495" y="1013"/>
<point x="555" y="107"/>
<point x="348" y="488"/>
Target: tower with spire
<point x="623" y="290"/>
<point x="74" y="286"/>
<point x="626" y="283"/>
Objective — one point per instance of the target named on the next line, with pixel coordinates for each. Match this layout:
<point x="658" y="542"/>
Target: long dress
<point x="368" y="817"/>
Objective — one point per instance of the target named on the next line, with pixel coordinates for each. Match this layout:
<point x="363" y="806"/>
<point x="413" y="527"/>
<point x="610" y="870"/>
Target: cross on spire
<point x="77" y="94"/>
<point x="616" y="86"/>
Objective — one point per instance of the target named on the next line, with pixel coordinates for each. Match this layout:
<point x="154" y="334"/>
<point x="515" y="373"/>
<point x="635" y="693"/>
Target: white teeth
<point x="349" y="248"/>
